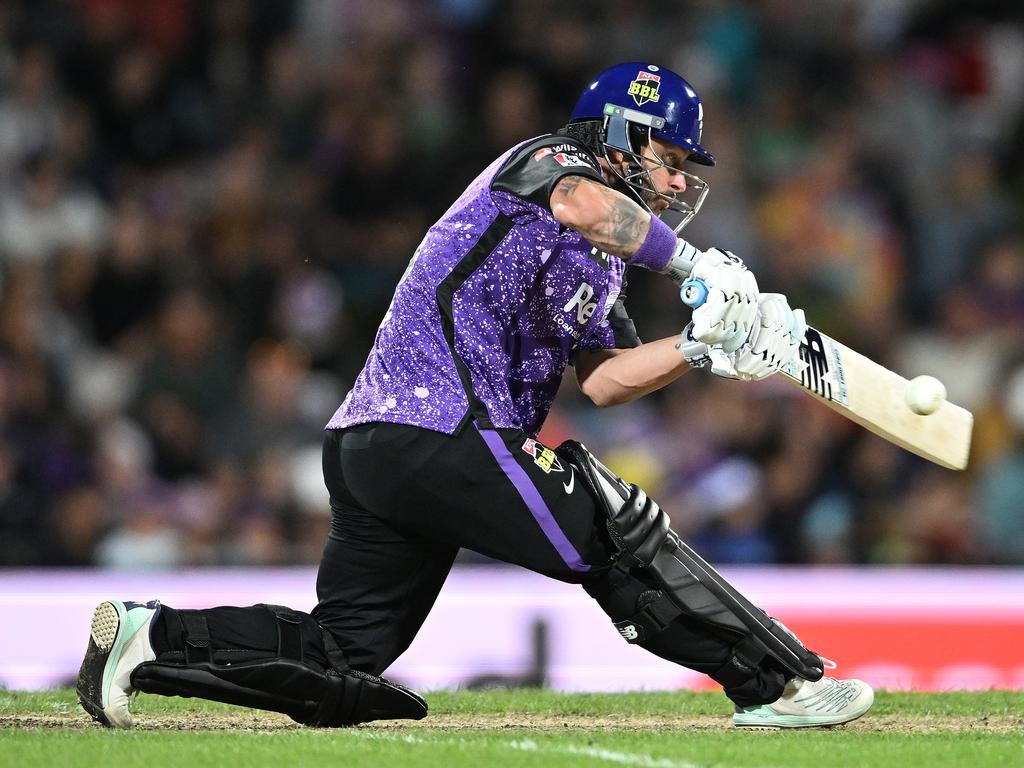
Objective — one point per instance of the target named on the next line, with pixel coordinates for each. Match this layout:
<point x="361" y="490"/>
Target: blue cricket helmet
<point x="627" y="106"/>
<point x="639" y="93"/>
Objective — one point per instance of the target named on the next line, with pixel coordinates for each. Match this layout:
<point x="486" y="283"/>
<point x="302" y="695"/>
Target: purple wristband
<point x="657" y="248"/>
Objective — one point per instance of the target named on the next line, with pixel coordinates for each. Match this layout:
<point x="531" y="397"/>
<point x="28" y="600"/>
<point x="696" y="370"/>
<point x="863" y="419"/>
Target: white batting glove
<point x="727" y="315"/>
<point x="773" y="343"/>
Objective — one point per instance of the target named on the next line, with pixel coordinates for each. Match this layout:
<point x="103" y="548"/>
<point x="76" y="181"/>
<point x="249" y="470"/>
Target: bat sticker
<point x="820" y="368"/>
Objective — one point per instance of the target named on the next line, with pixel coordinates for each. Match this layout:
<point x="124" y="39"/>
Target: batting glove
<point x="773" y="343"/>
<point x="728" y="314"/>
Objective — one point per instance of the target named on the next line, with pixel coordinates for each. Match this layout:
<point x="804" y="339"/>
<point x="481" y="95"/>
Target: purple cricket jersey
<point x="495" y="300"/>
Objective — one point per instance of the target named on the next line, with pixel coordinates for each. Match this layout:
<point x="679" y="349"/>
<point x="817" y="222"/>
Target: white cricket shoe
<point x="804" y="704"/>
<point x="118" y="643"/>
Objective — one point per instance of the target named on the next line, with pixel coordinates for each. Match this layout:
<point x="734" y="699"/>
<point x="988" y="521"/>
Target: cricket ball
<point x="925" y="394"/>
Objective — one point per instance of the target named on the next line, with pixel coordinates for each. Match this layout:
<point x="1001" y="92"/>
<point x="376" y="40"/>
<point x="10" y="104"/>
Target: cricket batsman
<point x="435" y="447"/>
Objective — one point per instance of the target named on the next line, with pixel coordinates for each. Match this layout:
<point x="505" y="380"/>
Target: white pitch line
<point x="623" y="758"/>
<point x="528" y="745"/>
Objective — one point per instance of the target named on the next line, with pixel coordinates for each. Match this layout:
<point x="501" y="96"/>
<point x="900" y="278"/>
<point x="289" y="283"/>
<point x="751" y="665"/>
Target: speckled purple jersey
<point x="493" y="304"/>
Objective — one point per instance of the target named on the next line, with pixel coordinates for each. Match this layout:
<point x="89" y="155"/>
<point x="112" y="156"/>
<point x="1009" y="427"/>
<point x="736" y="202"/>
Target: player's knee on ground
<point x="268" y="657"/>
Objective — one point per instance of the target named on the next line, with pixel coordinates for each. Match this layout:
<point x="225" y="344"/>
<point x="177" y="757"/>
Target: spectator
<point x="204" y="208"/>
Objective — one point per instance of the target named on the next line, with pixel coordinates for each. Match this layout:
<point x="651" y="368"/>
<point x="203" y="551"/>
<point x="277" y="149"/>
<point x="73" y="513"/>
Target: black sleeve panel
<point x="622" y="325"/>
<point x="623" y="328"/>
<point x="532" y="172"/>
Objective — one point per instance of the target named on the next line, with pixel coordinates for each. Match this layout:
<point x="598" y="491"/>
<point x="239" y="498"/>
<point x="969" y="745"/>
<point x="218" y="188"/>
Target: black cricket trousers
<point x="405" y="499"/>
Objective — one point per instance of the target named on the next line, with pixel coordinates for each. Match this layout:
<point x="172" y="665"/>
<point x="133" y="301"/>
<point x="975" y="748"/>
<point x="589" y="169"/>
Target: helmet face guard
<point x="622" y="128"/>
<point x="634" y="103"/>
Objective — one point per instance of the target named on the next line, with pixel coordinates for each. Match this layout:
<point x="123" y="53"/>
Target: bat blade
<point x="873" y="396"/>
<point x="869" y="394"/>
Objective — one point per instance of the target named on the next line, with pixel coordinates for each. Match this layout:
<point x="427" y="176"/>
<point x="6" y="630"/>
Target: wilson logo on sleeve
<point x="568" y="160"/>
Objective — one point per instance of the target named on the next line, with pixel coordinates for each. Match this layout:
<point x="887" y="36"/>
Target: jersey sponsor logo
<point x="581" y="301"/>
<point x="644" y="88"/>
<point x="629" y="632"/>
<point x="570" y="160"/>
<point x="562" y="323"/>
<point x="543" y="152"/>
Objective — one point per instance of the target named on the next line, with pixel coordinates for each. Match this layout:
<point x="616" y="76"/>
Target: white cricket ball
<point x="925" y="394"/>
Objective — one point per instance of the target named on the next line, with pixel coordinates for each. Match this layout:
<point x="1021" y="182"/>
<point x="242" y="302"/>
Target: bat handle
<point x="693" y="293"/>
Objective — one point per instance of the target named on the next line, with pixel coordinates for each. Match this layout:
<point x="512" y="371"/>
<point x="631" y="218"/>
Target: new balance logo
<point x="629" y="632"/>
<point x="582" y="302"/>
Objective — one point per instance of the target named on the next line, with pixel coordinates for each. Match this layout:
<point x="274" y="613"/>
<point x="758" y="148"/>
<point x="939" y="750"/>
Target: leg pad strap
<point x="683" y="581"/>
<point x="655" y="611"/>
<point x="307" y="695"/>
<point x="280" y="680"/>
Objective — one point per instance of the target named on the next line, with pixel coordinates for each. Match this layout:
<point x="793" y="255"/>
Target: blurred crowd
<point x="205" y="205"/>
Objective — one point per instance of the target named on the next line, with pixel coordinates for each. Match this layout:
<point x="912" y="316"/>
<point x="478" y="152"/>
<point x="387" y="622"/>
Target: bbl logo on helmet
<point x="644" y="88"/>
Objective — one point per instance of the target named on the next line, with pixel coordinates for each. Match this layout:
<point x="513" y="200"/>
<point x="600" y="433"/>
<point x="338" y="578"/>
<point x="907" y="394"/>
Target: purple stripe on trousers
<point x="534" y="501"/>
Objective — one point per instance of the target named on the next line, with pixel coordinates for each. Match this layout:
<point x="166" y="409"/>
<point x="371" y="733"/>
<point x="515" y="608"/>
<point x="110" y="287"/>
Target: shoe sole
<point x="793" y="721"/>
<point x="103" y="639"/>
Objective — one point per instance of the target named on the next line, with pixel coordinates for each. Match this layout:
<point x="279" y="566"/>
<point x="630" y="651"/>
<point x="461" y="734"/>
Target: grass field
<point x="519" y="728"/>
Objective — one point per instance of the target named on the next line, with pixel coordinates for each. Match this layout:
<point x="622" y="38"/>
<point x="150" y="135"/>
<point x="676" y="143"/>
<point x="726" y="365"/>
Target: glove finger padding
<point x="743" y="313"/>
<point x="708" y="318"/>
<point x="729" y="312"/>
<point x="775" y="340"/>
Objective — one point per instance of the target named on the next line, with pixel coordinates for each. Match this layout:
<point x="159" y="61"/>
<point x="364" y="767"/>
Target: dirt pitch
<point x="442" y="722"/>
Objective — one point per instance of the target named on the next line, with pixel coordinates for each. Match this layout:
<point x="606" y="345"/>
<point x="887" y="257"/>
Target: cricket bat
<point x="870" y="395"/>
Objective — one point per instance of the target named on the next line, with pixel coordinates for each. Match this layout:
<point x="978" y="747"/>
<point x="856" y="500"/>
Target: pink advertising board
<point x="896" y="628"/>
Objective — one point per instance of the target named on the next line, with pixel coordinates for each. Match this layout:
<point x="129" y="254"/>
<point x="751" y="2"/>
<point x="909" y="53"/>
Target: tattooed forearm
<point x="608" y="219"/>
